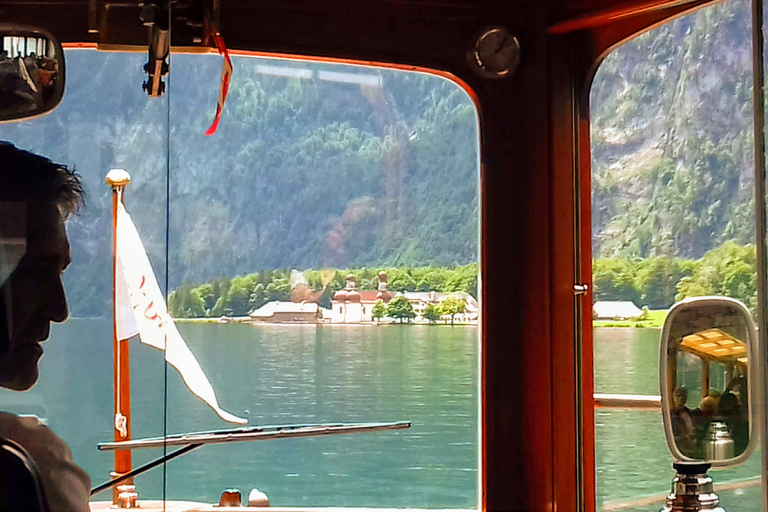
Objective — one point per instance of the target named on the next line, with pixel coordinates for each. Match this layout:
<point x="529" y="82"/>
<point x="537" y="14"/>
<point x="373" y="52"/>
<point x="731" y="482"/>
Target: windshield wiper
<point x="193" y="440"/>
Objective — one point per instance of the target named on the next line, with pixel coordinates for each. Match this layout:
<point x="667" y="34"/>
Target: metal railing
<point x="618" y="401"/>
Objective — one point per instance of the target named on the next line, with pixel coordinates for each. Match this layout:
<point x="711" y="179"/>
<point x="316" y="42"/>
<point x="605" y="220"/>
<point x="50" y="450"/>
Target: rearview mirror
<point x="707" y="364"/>
<point x="31" y="72"/>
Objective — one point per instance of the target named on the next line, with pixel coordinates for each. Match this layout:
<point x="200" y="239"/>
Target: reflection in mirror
<point x="705" y="359"/>
<point x="31" y="73"/>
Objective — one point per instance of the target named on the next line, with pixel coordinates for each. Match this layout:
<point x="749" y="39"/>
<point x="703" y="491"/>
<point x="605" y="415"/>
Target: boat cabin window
<point x="319" y="256"/>
<point x="672" y="217"/>
<point x="700" y="379"/>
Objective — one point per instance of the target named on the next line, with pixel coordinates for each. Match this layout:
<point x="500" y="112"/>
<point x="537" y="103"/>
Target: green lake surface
<point x="284" y="374"/>
<point x="631" y="455"/>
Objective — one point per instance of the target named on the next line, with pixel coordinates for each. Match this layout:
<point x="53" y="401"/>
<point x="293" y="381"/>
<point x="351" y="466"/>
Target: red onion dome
<point x="340" y="296"/>
<point x="353" y="296"/>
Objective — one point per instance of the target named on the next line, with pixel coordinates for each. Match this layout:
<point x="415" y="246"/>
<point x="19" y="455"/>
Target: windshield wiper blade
<point x="193" y="440"/>
<point x="253" y="434"/>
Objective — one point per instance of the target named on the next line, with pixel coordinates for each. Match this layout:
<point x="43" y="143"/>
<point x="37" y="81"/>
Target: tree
<point x="657" y="280"/>
<point x="379" y="310"/>
<point x="430" y="278"/>
<point x="205" y="292"/>
<point x="239" y="296"/>
<point x="431" y="313"/>
<point x="614" y="279"/>
<point x="400" y="279"/>
<point x="729" y="270"/>
<point x="185" y="303"/>
<point x="452" y="305"/>
<point x="278" y="289"/>
<point x="400" y="308"/>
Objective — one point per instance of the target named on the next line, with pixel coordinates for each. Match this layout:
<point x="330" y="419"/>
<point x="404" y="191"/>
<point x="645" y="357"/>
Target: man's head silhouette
<point x="36" y="198"/>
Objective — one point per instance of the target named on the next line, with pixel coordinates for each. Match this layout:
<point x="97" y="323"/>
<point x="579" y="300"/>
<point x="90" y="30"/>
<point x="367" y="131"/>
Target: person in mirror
<point x="36" y="198"/>
<point x="735" y="416"/>
<point x="682" y="422"/>
<point x="702" y="416"/>
<point x="19" y="91"/>
<point x="738" y="386"/>
<point x="706" y="410"/>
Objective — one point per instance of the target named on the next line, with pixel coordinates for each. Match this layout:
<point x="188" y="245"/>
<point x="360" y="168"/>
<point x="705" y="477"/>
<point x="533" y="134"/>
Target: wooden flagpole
<point x="118" y="179"/>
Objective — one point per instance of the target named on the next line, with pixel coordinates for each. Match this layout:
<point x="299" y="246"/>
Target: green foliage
<point x="729" y="270"/>
<point x="431" y="313"/>
<point x="656" y="279"/>
<point x="242" y="294"/>
<point x="400" y="308"/>
<point x="452" y="305"/>
<point x="186" y="302"/>
<point x="657" y="283"/>
<point x="614" y="279"/>
<point x="379" y="310"/>
<point x="278" y="289"/>
<point x="239" y="295"/>
<point x="302" y="173"/>
<point x="462" y="279"/>
<point x="671" y="128"/>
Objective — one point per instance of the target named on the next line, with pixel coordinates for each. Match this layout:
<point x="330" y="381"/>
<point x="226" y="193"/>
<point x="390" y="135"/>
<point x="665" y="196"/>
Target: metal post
<point x="118" y="179"/>
<point x="704" y="378"/>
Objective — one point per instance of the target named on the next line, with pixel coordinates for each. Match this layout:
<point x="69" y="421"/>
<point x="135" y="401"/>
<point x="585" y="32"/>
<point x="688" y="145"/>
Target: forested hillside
<point x="318" y="166"/>
<point x="672" y="139"/>
<point x="313" y="166"/>
<point x="672" y="162"/>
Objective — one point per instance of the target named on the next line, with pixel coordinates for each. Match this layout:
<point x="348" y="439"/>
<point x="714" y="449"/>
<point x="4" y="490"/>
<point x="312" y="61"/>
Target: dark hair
<point x="25" y="176"/>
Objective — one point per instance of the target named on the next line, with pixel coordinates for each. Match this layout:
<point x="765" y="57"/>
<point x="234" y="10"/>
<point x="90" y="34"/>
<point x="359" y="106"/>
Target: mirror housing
<point x="32" y="73"/>
<point x="709" y="347"/>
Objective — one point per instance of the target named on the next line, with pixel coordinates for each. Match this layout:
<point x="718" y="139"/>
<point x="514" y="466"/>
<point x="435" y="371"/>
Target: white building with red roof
<point x="351" y="305"/>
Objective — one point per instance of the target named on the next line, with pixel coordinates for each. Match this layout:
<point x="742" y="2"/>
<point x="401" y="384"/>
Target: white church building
<point x="351" y="305"/>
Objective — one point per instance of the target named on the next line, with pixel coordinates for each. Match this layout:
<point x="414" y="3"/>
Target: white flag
<point x="141" y="310"/>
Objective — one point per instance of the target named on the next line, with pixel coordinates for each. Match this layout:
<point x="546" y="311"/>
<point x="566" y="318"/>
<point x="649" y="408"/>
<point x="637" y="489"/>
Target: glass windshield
<point x="104" y="122"/>
<point x="319" y="256"/>
<point x="672" y="218"/>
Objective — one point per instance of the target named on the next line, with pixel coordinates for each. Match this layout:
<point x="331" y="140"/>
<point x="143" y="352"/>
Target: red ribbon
<point x="226" y="74"/>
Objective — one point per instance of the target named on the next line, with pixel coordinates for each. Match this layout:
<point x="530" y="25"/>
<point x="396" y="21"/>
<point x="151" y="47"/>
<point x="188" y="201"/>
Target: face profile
<point x="33" y="296"/>
<point x="680" y="396"/>
<point x="36" y="197"/>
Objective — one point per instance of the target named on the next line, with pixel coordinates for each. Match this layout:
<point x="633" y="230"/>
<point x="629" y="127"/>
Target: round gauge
<point x="495" y="53"/>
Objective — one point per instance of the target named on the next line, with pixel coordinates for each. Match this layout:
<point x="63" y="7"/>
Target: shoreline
<point x="655" y="320"/>
<point x="247" y="321"/>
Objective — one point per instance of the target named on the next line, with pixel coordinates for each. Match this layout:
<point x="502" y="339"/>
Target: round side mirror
<point x="31" y="72"/>
<point x="707" y="375"/>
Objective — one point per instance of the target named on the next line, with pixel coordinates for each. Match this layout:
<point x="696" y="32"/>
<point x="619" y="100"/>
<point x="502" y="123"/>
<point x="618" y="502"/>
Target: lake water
<point x="285" y="375"/>
<point x="306" y="374"/>
<point x="631" y="456"/>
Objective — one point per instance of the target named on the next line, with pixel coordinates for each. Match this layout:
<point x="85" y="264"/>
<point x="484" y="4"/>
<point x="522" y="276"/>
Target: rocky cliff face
<point x="672" y="140"/>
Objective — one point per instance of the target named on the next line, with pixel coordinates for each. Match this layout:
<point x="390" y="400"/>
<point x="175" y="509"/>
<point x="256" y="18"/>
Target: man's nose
<point x="58" y="305"/>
